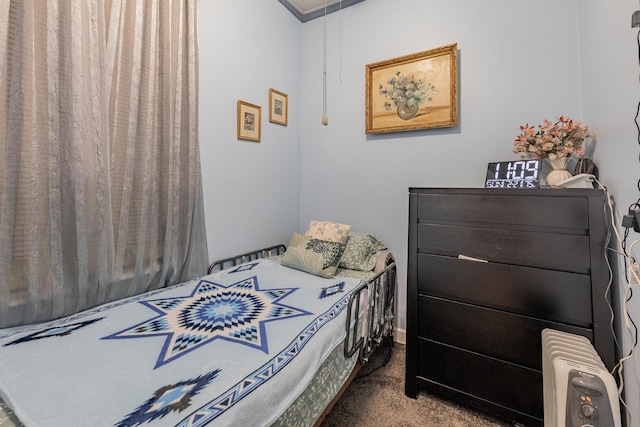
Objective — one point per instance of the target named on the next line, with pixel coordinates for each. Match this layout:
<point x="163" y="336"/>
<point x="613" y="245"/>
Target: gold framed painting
<point x="249" y="121"/>
<point x="412" y="92"/>
<point x="278" y="107"/>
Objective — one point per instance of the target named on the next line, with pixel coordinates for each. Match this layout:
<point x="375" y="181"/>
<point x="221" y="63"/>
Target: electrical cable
<point x="608" y="299"/>
<point x="630" y="270"/>
<point x="628" y="322"/>
<point x="389" y="344"/>
<point x="638" y="114"/>
<point x="636" y="205"/>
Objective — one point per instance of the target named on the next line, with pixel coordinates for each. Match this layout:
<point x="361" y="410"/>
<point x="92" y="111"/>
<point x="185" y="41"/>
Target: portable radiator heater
<point x="578" y="390"/>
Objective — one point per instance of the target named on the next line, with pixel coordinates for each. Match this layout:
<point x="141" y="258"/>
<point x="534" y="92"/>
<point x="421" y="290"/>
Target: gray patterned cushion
<point x="361" y="252"/>
<point x="313" y="256"/>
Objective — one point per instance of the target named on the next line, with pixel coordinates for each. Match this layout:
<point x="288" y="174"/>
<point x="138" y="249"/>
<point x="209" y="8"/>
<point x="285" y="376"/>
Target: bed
<point x="256" y="341"/>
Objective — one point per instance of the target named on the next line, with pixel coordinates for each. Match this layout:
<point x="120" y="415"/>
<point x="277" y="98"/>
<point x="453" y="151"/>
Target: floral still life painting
<point x="412" y="92"/>
<point x="406" y="93"/>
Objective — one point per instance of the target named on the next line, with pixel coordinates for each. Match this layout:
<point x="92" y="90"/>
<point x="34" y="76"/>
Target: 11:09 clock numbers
<point x="513" y="174"/>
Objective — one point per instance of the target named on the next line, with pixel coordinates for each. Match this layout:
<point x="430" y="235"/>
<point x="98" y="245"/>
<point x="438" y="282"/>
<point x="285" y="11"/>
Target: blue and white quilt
<point x="233" y="348"/>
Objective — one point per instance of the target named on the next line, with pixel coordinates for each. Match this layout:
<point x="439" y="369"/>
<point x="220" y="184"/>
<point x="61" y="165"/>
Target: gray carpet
<point x="378" y="400"/>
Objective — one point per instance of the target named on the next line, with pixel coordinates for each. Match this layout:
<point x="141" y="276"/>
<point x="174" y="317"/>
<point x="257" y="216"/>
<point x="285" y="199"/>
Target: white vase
<point x="558" y="171"/>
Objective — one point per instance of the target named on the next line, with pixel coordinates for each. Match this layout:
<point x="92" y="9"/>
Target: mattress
<point x="44" y="370"/>
<point x="309" y="406"/>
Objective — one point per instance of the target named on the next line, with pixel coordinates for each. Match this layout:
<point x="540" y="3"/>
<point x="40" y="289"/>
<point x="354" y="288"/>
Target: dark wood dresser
<point x="474" y="326"/>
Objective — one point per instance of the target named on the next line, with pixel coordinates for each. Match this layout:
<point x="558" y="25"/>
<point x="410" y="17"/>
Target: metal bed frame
<point x="380" y="291"/>
<point x="225" y="263"/>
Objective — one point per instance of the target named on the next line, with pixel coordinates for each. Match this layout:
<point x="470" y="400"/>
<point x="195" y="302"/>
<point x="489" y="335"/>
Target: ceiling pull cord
<point x="340" y="44"/>
<point x="325" y="118"/>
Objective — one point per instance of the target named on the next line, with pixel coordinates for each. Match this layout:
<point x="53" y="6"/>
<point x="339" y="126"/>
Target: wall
<point x="250" y="188"/>
<point x="581" y="63"/>
<point x="510" y="73"/>
<point x="610" y="69"/>
<point x="519" y="62"/>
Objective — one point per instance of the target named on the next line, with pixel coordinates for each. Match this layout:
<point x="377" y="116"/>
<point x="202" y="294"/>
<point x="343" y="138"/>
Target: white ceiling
<point x="306" y="6"/>
<point x="306" y="10"/>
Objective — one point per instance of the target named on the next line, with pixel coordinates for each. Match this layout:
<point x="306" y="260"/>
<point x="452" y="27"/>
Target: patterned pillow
<point x="314" y="256"/>
<point x="328" y="231"/>
<point x="361" y="252"/>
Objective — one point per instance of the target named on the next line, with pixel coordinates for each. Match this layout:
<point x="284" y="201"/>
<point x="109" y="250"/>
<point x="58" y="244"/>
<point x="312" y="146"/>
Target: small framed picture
<point x="278" y="107"/>
<point x="249" y="121"/>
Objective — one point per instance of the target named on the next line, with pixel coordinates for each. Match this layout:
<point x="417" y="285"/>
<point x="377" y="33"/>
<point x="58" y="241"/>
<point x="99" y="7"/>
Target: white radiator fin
<point x="577" y="388"/>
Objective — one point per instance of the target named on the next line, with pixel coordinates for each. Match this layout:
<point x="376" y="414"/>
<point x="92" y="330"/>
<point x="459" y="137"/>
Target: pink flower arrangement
<point x="552" y="140"/>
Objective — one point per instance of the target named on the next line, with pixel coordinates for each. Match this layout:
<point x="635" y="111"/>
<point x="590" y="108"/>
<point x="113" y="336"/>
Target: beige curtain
<point x="100" y="184"/>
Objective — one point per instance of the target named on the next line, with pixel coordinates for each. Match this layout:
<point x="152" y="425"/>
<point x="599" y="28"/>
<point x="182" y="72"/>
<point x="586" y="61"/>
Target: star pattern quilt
<point x="233" y="348"/>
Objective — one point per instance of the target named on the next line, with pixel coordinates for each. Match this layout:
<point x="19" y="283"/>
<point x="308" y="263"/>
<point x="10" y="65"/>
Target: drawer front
<point x="547" y="294"/>
<point x="504" y="384"/>
<point x="552" y="251"/>
<point x="498" y="334"/>
<point x="521" y="211"/>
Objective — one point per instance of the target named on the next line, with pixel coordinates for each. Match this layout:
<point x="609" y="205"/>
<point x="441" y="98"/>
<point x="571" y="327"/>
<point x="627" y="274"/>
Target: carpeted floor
<point x="378" y="400"/>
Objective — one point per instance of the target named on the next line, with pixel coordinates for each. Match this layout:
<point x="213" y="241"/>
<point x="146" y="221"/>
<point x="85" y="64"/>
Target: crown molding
<point x="306" y="17"/>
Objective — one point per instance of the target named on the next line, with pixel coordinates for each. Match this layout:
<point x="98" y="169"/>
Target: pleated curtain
<point x="100" y="178"/>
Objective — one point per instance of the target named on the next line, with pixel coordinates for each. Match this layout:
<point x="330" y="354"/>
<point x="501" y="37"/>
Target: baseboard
<point x="400" y="335"/>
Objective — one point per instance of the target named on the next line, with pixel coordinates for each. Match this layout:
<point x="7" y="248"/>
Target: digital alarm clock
<point x="513" y="174"/>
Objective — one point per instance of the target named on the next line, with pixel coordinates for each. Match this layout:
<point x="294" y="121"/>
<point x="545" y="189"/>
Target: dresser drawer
<point x="494" y="333"/>
<point x="505" y="211"/>
<point x="547" y="294"/>
<point x="554" y="251"/>
<point x="504" y="384"/>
